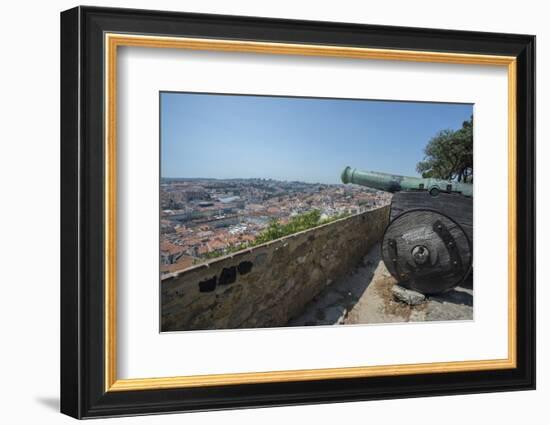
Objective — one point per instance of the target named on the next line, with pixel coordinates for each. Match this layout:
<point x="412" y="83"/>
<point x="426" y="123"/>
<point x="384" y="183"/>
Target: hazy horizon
<point x="245" y="178"/>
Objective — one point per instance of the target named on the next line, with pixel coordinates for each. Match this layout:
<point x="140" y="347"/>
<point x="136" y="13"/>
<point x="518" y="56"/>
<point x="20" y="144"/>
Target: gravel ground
<point x="365" y="296"/>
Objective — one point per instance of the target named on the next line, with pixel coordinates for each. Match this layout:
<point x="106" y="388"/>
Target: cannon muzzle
<point x="395" y="183"/>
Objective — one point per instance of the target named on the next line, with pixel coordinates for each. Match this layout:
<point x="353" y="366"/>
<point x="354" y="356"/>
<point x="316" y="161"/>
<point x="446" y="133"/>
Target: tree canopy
<point x="449" y="155"/>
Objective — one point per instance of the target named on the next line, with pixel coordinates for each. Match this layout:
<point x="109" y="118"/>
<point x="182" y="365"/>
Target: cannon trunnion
<point x="427" y="246"/>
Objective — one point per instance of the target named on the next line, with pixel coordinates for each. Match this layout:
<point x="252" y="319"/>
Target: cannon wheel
<point x="427" y="251"/>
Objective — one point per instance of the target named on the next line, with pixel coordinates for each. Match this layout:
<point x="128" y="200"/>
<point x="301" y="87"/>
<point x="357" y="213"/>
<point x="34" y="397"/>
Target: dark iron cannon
<point x="427" y="245"/>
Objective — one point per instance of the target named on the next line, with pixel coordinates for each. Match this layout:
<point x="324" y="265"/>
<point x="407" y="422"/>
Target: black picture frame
<point x="83" y="392"/>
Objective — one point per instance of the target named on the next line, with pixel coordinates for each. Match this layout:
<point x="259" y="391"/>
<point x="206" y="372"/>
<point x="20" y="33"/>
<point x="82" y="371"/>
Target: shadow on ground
<point x="333" y="304"/>
<point x="49" y="402"/>
<point x="365" y="296"/>
<point x="459" y="295"/>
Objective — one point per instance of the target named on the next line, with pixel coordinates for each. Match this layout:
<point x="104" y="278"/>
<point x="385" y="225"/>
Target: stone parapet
<point x="267" y="285"/>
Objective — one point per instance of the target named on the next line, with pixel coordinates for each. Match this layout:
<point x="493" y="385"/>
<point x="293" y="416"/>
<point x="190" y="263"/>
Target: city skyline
<point x="296" y="139"/>
<point x="203" y="219"/>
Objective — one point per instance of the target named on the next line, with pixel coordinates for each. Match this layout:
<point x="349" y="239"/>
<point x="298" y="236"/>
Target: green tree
<point x="276" y="230"/>
<point x="449" y="155"/>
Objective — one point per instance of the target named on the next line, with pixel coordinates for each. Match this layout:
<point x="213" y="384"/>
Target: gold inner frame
<point x="113" y="41"/>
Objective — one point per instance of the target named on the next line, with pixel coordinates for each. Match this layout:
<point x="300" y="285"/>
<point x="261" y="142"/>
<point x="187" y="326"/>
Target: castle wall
<point x="267" y="285"/>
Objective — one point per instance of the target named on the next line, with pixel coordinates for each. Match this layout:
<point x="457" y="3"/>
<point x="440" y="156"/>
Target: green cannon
<point x="427" y="246"/>
<point x="395" y="183"/>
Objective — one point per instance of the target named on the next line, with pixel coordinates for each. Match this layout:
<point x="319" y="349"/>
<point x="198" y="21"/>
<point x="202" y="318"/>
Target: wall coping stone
<point x="245" y="251"/>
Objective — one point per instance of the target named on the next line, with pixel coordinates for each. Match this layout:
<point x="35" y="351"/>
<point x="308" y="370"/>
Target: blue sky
<point x="305" y="139"/>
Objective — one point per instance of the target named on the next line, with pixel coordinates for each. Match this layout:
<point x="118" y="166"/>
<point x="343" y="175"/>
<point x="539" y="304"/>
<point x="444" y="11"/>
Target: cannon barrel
<point x="395" y="183"/>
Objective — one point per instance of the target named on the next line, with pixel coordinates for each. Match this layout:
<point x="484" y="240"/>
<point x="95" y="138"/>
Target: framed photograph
<point x="261" y="212"/>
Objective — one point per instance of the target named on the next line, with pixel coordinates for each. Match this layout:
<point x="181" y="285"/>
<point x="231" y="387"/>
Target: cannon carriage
<point x="427" y="246"/>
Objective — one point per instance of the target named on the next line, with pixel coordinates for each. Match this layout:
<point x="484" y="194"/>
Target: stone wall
<point x="269" y="284"/>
